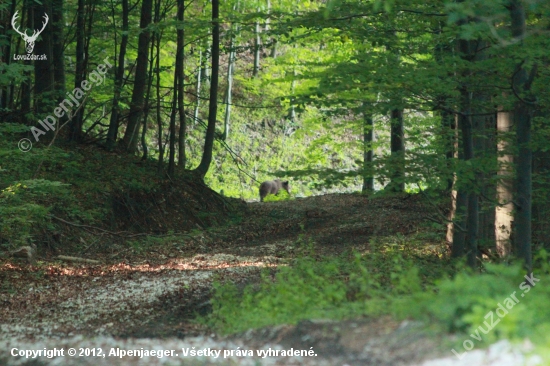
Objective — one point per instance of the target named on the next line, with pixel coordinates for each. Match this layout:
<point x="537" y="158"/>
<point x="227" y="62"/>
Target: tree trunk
<point x="450" y="144"/>
<point x="448" y="121"/>
<point x="198" y="90"/>
<point x="459" y="224"/>
<point x="204" y="165"/>
<point x="6" y="100"/>
<point x="273" y="53"/>
<point x="112" y="133"/>
<point x="147" y="104"/>
<point x="486" y="148"/>
<point x="172" y="128"/>
<point x="268" y="17"/>
<point x="145" y="149"/>
<point x="205" y="70"/>
<point x="43" y="69"/>
<point x="522" y="120"/>
<point x="160" y="126"/>
<point x="456" y="230"/>
<point x="272" y="40"/>
<point x="58" y="25"/>
<point x="131" y="135"/>
<point x="25" y="92"/>
<point x="292" y="112"/>
<point x="397" y="145"/>
<point x="75" y="126"/>
<point x="485" y="152"/>
<point x="182" y="158"/>
<point x="368" y="152"/>
<point x="173" y="113"/>
<point x="257" y="42"/>
<point x="230" y="66"/>
<point x="503" y="214"/>
<point x="472" y="217"/>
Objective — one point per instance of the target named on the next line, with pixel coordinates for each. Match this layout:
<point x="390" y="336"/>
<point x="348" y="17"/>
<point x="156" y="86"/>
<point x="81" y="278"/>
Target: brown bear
<point x="273" y="187"/>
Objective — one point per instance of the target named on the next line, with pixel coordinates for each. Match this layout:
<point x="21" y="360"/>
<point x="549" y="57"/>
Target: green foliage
<point x="494" y="305"/>
<point x="68" y="184"/>
<point x="337" y="288"/>
<point x="24" y="207"/>
<point x="7" y="128"/>
<point x="396" y="278"/>
<point x="282" y="196"/>
<point x="13" y="72"/>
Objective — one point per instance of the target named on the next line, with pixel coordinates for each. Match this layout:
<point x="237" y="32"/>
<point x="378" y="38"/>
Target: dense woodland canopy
<point x="420" y="96"/>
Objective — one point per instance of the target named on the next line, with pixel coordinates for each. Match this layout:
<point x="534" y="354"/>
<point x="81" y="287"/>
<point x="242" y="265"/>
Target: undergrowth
<point x="403" y="283"/>
<point x="50" y="181"/>
<point x="350" y="285"/>
<point x="48" y="194"/>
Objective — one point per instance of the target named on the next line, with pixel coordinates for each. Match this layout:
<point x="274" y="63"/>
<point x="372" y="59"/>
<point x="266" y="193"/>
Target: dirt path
<point x="148" y="300"/>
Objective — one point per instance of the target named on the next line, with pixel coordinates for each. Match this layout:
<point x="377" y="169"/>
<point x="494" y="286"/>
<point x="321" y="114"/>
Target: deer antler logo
<point x="29" y="40"/>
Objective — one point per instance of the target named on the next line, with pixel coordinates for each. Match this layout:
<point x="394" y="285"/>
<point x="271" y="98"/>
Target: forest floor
<point x="148" y="298"/>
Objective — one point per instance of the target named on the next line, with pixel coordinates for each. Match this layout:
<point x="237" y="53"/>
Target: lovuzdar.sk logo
<point x="29" y="40"/>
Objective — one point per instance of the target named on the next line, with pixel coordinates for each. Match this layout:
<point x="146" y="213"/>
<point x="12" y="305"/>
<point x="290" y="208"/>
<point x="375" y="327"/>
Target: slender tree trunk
<point x="75" y="126"/>
<point x="198" y="90"/>
<point x="227" y="117"/>
<point x="204" y="165"/>
<point x="79" y="115"/>
<point x="448" y="121"/>
<point x="459" y="235"/>
<point x="522" y="119"/>
<point x="456" y="233"/>
<point x="160" y="126"/>
<point x="131" y="135"/>
<point x="272" y="40"/>
<point x="205" y="69"/>
<point x="486" y="148"/>
<point x="159" y="118"/>
<point x="58" y="25"/>
<point x="172" y="128"/>
<point x="456" y="230"/>
<point x="173" y="113"/>
<point x="368" y="154"/>
<point x="450" y="141"/>
<point x="43" y="69"/>
<point x="268" y="18"/>
<point x="9" y="97"/>
<point x="273" y="53"/>
<point x="112" y="133"/>
<point x="257" y="42"/>
<point x="230" y="67"/>
<point x="503" y="214"/>
<point x="25" y="92"/>
<point x="147" y="104"/>
<point x="292" y="112"/>
<point x="397" y="144"/>
<point x="182" y="158"/>
<point x="6" y="101"/>
<point x="472" y="218"/>
<point x="145" y="149"/>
